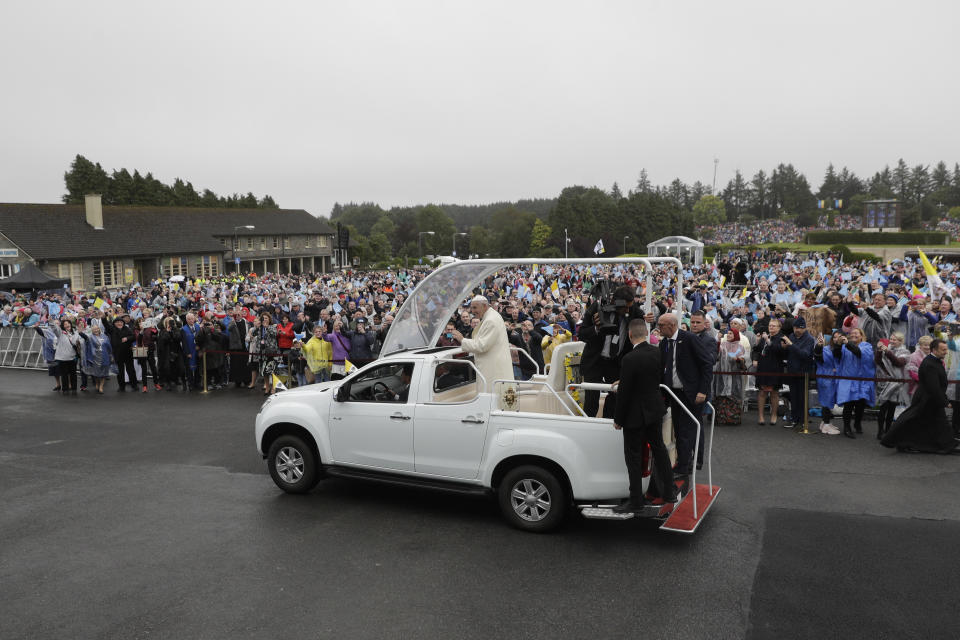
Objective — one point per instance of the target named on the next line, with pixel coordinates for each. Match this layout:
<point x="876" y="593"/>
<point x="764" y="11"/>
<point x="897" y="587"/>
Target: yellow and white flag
<point x="277" y="384"/>
<point x="100" y="303"/>
<point x="933" y="278"/>
<point x="348" y="366"/>
<point x="744" y="294"/>
<point x="554" y="288"/>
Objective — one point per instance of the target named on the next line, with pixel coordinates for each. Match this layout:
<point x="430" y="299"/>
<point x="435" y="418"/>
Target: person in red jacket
<point x="285" y="335"/>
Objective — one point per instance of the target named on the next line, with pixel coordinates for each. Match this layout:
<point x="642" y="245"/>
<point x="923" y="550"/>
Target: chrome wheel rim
<point x="530" y="500"/>
<point x="289" y="464"/>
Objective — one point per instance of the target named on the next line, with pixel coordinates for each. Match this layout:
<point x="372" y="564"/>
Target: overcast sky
<point x="404" y="102"/>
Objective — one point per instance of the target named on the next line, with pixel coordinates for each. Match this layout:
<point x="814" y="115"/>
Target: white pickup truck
<point x="422" y="416"/>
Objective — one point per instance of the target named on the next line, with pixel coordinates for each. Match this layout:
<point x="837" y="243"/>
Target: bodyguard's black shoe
<point x="629" y="506"/>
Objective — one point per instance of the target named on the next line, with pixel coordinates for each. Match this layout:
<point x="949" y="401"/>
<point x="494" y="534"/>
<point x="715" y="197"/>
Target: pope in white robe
<point x="488" y="343"/>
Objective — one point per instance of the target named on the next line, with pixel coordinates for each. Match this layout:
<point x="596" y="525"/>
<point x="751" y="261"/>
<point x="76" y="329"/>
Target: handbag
<point x="140" y="352"/>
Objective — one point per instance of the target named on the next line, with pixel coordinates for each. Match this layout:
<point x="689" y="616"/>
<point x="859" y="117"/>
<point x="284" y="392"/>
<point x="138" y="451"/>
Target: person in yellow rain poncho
<point x="319" y="355"/>
<point x="488" y="343"/>
<point x="551" y="342"/>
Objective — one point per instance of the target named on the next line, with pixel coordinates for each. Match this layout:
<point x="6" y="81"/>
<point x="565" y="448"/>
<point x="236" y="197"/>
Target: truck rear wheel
<point x="532" y="498"/>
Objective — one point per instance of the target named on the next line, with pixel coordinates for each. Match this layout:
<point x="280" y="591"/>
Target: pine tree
<point x="84" y="177"/>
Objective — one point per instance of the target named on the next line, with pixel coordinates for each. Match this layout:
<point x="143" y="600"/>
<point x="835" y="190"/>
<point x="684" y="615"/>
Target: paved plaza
<point x="152" y="516"/>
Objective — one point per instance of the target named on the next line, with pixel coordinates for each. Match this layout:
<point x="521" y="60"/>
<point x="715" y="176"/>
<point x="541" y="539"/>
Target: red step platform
<point x="681" y="519"/>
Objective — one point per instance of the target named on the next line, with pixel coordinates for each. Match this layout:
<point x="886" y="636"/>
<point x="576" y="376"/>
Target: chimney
<point x="94" y="210"/>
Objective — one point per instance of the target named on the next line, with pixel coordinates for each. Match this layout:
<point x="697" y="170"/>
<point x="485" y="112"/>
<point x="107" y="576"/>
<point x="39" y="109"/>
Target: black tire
<point x="543" y="515"/>
<point x="293" y="465"/>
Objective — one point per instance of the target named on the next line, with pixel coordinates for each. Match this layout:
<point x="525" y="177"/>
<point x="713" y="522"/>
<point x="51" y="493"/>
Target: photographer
<point x="604" y="332"/>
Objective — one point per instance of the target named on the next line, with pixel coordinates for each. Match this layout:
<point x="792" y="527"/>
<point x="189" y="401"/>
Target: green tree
<point x="954" y="213"/>
<point x="432" y="218"/>
<point x="481" y="241"/>
<point x="380" y="249"/>
<point x="184" y="195"/>
<point x="84" y="177"/>
<point x="539" y="235"/>
<point x="511" y="231"/>
<point x="267" y="203"/>
<point x="709" y="210"/>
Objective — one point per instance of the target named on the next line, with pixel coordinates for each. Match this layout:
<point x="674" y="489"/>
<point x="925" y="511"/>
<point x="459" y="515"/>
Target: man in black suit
<point x="640" y="416"/>
<point x="688" y="371"/>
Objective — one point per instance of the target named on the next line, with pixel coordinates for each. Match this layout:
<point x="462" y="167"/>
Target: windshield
<point x="423" y="316"/>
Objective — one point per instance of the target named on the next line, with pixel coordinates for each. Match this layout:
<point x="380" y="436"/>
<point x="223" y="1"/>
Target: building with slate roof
<point x="97" y="246"/>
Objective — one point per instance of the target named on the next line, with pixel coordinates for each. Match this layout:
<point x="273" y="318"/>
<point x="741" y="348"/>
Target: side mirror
<point x="342" y="393"/>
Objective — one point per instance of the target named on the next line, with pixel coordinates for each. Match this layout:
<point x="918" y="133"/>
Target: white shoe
<point x="829" y="429"/>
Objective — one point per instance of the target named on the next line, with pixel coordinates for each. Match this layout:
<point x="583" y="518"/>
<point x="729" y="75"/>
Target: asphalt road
<point x="152" y="516"/>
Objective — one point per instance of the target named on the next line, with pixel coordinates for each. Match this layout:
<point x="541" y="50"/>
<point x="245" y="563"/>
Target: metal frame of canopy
<point x="423" y="316"/>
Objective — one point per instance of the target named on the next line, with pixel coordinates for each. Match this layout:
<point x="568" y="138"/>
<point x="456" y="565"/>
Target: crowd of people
<point x="770" y="231"/>
<point x="768" y="313"/>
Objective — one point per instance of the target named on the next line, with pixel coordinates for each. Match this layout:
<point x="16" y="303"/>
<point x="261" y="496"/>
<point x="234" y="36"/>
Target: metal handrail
<point x="528" y="357"/>
<point x="696" y="447"/>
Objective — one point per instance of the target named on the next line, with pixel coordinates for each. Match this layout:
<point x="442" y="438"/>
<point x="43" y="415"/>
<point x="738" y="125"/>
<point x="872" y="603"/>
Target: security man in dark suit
<point x="603" y="347"/>
<point x="688" y="372"/>
<point x="640" y="416"/>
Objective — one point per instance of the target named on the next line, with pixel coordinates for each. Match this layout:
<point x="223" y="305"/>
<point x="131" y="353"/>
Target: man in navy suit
<point x="639" y="414"/>
<point x="688" y="371"/>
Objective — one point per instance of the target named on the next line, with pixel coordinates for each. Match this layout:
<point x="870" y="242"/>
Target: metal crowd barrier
<point x="21" y="348"/>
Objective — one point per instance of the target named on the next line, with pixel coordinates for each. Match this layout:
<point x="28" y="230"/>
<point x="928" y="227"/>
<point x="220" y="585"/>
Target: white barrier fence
<point x="21" y="348"/>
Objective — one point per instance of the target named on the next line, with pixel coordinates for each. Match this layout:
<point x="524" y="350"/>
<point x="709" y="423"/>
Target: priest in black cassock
<point x="923" y="426"/>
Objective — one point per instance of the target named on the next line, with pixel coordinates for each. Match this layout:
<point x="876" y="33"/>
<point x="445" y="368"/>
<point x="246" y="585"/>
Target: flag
<point x="933" y="278"/>
<point x="723" y="281"/>
<point x="348" y="366"/>
<point x="914" y="291"/>
<point x="99" y="303"/>
<point x="554" y="288"/>
<point x="743" y="294"/>
<point x="277" y="384"/>
<point x="598" y="248"/>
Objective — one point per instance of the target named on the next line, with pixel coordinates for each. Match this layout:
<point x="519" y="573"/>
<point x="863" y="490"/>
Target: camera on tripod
<point x="610" y="308"/>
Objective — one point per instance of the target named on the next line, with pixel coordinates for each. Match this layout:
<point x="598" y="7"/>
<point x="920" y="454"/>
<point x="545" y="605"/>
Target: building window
<point x="208" y="266"/>
<point x="263" y="243"/>
<point x="6" y="270"/>
<point x="173" y="267"/>
<point x="235" y="244"/>
<point x="223" y="242"/>
<point x="249" y="244"/>
<point x="306" y="242"/>
<point x="276" y="242"/>
<point x="323" y="242"/>
<point x="107" y="273"/>
<point x="286" y="243"/>
<point x="74" y="271"/>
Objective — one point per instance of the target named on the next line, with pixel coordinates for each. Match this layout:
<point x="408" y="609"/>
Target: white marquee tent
<point x="690" y="251"/>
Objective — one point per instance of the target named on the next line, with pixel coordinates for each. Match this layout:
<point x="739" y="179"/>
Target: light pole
<point x="420" y="244"/>
<point x="454" y="254"/>
<point x="566" y="244"/>
<point x="625" y="244"/>
<point x="248" y="227"/>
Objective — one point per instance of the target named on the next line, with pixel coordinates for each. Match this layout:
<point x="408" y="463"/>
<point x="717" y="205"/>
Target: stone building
<point x="97" y="246"/>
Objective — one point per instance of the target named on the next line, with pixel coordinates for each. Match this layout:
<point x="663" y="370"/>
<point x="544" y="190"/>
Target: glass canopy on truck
<point x="424" y="315"/>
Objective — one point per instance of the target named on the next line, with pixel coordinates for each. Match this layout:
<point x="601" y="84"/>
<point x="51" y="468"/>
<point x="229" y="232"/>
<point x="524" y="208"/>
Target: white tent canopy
<point x="689" y="251"/>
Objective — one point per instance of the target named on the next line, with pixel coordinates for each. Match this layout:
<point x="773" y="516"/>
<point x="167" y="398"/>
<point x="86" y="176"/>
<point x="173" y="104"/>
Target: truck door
<point x="451" y="424"/>
<point x="372" y="424"/>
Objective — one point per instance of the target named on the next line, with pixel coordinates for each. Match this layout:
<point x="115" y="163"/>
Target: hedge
<point x="874" y="238"/>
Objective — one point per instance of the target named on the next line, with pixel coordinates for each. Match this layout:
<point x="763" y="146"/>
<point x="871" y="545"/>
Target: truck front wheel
<point x="293" y="466"/>
<point x="532" y="498"/>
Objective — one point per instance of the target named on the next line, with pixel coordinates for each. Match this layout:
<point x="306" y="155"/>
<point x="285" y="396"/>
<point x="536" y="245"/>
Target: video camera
<point x="609" y="308"/>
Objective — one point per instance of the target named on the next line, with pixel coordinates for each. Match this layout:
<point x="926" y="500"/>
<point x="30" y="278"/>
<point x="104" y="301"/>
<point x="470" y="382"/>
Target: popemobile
<point x="424" y="416"/>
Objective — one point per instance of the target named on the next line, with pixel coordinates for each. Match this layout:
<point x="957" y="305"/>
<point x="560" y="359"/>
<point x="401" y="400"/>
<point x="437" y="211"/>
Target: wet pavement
<point x="152" y="515"/>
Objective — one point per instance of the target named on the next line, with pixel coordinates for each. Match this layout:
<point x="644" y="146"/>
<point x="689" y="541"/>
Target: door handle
<point x="399" y="416"/>
<point x="472" y="420"/>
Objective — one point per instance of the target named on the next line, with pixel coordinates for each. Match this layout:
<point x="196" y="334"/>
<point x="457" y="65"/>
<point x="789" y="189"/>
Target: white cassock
<point x="490" y="348"/>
